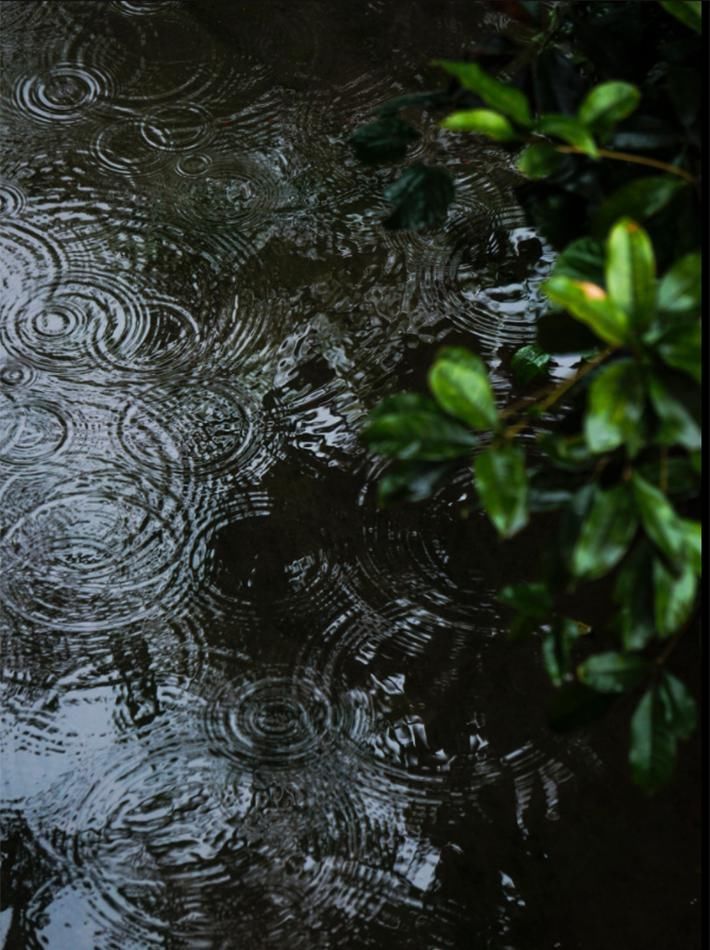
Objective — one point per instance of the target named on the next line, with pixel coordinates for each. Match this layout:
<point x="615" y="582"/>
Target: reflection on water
<point x="242" y="707"/>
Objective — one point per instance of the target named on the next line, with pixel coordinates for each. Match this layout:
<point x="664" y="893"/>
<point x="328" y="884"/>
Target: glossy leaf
<point x="631" y="272"/>
<point x="679" y="289"/>
<point x="459" y="382"/>
<point x="615" y="407"/>
<point x="501" y="481"/>
<point x="498" y="95"/>
<point x="567" y="452"/>
<point x="411" y="427"/>
<point x="581" y="260"/>
<point x="679" y="707"/>
<point x="674" y="597"/>
<point x="607" y="104"/>
<point x="557" y="649"/>
<point x="529" y="597"/>
<point x="421" y="197"/>
<point x="633" y="593"/>
<point x="678" y="538"/>
<point x="613" y="672"/>
<point x="638" y="199"/>
<point x="653" y="744"/>
<point x="384" y="140"/>
<point x="606" y="533"/>
<point x="570" y="130"/>
<point x="590" y="304"/>
<point x="679" y="347"/>
<point x="688" y="12"/>
<point x="529" y="363"/>
<point x="679" y="421"/>
<point x="481" y="121"/>
<point x="539" y="160"/>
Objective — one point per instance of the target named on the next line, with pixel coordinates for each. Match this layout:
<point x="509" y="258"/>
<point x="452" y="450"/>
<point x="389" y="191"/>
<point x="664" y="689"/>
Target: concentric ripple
<point x="90" y="551"/>
<point x="200" y="426"/>
<point x="32" y="430"/>
<point x="66" y="93"/>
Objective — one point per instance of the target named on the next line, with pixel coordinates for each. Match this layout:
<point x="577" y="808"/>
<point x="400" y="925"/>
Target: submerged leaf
<point x="384" y="140"/>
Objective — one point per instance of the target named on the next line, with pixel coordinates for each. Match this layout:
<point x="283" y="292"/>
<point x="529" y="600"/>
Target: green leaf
<point x="679" y="347"/>
<point x="567" y="452"/>
<point x="606" y="533"/>
<point x="421" y="197"/>
<point x="583" y="259"/>
<point x="557" y="649"/>
<point x="679" y="708"/>
<point x="576" y="705"/>
<point x="653" y="743"/>
<point x="570" y="130"/>
<point x="529" y="363"/>
<point x="689" y="12"/>
<point x="679" y="422"/>
<point x="678" y="538"/>
<point x="501" y="482"/>
<point x="674" y="597"/>
<point x="459" y="382"/>
<point x="633" y="593"/>
<point x="639" y="199"/>
<point x="607" y="104"/>
<point x="498" y="95"/>
<point x="539" y="161"/>
<point x="481" y="121"/>
<point x="679" y="288"/>
<point x="529" y="597"/>
<point x="590" y="304"/>
<point x="613" y="672"/>
<point x="615" y="406"/>
<point x="631" y="272"/>
<point x="409" y="426"/>
<point x="411" y="481"/>
<point x="384" y="140"/>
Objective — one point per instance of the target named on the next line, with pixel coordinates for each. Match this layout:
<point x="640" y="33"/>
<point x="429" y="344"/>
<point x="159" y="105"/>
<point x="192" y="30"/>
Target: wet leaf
<point x="529" y="597"/>
<point x="607" y="104"/>
<point x="679" y="419"/>
<point x="631" y="272"/>
<point x="581" y="260"/>
<point x="498" y="95"/>
<point x="639" y="199"/>
<point x="613" y="672"/>
<point x="501" y="481"/>
<point x="679" y="289"/>
<point x="557" y="649"/>
<point x="483" y="122"/>
<point x="529" y="363"/>
<point x="678" y="538"/>
<point x="384" y="140"/>
<point x="422" y="100"/>
<point x="679" y="347"/>
<point x="539" y="160"/>
<point x="615" y="407"/>
<point x="633" y="594"/>
<point x="567" y="452"/>
<point x="421" y="197"/>
<point x="606" y="532"/>
<point x="674" y="597"/>
<point x="688" y="12"/>
<point x="409" y="426"/>
<point x="679" y="707"/>
<point x="570" y="130"/>
<point x="590" y="304"/>
<point x="459" y="382"/>
<point x="653" y="743"/>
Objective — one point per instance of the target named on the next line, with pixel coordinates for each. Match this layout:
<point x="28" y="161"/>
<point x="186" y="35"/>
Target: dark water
<point x="241" y="706"/>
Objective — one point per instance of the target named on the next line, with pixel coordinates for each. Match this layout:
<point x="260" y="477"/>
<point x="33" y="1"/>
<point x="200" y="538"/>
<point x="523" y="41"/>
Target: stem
<point x="559" y="391"/>
<point x="633" y="159"/>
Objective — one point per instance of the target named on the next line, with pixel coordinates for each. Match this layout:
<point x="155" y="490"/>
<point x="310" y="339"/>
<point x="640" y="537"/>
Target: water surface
<point x="242" y="707"/>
